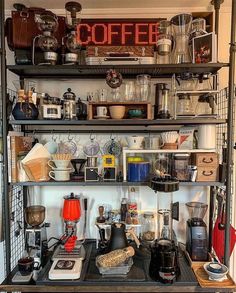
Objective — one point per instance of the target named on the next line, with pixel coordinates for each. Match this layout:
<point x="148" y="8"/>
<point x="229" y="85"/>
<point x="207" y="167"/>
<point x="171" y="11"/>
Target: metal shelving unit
<point x="128" y="71"/>
<point x="99" y="71"/>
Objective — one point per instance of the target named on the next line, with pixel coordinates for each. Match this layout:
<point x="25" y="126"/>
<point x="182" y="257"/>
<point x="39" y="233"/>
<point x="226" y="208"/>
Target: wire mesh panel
<point x="17" y="223"/>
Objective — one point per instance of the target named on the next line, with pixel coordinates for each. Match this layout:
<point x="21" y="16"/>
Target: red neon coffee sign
<point x="117" y="32"/>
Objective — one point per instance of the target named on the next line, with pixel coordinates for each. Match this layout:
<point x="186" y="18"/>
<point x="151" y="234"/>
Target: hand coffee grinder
<point x="68" y="256"/>
<point x="164" y="265"/>
<point x="35" y="233"/>
<point x="196" y="233"/>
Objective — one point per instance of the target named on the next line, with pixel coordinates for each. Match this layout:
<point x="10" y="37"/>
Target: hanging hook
<point x="112" y="136"/>
<point x="92" y="136"/>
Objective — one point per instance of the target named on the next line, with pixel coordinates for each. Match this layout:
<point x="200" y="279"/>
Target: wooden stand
<point x="144" y="106"/>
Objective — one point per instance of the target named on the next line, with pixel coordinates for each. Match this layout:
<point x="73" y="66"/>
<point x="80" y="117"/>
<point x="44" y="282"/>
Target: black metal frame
<point x="230" y="148"/>
<point x="85" y="71"/>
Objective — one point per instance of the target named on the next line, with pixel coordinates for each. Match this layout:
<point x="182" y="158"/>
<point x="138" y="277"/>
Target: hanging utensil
<point x="92" y="147"/>
<point x="112" y="147"/>
<point x="218" y="233"/>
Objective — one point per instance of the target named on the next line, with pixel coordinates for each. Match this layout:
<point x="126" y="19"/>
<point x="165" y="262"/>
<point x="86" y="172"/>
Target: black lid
<point x="164" y="184"/>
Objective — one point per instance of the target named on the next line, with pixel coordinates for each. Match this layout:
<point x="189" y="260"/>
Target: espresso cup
<point x="26" y="265"/>
<point x="60" y="164"/>
<point x="101" y="111"/>
<point x="60" y="175"/>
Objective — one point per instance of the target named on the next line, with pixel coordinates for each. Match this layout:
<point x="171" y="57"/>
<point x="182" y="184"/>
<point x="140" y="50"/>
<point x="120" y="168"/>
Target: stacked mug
<point x="60" y="167"/>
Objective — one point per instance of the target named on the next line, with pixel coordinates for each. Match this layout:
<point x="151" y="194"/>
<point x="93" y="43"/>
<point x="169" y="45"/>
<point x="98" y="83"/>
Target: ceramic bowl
<point x="117" y="112"/>
<point x="211" y="269"/>
<point x="135" y="113"/>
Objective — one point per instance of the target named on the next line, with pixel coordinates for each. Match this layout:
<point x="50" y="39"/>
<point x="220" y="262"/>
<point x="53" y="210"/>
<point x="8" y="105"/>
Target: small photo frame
<point x="204" y="49"/>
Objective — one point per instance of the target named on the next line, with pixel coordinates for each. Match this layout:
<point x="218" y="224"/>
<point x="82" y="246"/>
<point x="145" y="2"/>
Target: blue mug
<point x="138" y="171"/>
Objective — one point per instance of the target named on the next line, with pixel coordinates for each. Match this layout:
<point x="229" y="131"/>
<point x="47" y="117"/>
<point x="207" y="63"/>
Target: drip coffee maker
<point x="47" y="42"/>
<point x="68" y="256"/>
<point x="78" y="165"/>
<point x="164" y="265"/>
<point x="196" y="233"/>
<point x="24" y="108"/>
<point x="73" y="18"/>
<point x="35" y="233"/>
<point x="181" y="24"/>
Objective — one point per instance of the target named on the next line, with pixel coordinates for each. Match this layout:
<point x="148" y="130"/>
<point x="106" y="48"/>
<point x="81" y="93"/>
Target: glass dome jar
<point x="149" y="226"/>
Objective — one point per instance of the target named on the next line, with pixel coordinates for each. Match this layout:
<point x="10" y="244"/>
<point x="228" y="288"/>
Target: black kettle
<point x="81" y="110"/>
<point x="118" y="238"/>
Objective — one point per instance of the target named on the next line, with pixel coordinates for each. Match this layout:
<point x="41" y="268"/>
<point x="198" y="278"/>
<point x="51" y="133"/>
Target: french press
<point x="69" y="105"/>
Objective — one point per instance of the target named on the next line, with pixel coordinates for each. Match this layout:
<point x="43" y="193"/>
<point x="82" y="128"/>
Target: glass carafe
<point x="181" y="24"/>
<point x="143" y="87"/>
<point x="184" y="105"/>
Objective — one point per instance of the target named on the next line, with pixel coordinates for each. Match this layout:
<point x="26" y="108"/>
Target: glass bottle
<point x="149" y="227"/>
<point x="133" y="206"/>
<point x="123" y="209"/>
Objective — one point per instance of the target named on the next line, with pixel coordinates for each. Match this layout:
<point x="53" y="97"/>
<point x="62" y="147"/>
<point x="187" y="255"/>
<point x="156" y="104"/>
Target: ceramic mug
<point x="26" y="265"/>
<point x="60" y="175"/>
<point x="135" y="142"/>
<point x="207" y="136"/>
<point x="101" y="111"/>
<point x="60" y="164"/>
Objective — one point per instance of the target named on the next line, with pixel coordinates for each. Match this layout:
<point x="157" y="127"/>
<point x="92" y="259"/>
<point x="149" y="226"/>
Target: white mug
<point x="207" y="136"/>
<point x="59" y="175"/>
<point x="60" y="164"/>
<point x="101" y="111"/>
<point x="135" y="142"/>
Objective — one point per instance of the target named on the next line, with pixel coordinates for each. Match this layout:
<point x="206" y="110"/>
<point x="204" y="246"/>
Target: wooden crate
<point x="205" y="159"/>
<point x="146" y="107"/>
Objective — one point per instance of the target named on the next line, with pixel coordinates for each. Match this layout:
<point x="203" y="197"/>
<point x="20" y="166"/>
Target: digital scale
<point x="67" y="265"/>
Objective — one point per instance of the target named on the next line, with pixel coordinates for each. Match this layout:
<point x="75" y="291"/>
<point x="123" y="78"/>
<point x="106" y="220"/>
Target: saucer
<point x="101" y="117"/>
<point x="61" y="169"/>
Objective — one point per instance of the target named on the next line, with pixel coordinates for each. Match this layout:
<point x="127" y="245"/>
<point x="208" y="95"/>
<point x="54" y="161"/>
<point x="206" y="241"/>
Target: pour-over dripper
<point x="196" y="210"/>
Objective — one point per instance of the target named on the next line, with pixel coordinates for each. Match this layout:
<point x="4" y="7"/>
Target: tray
<point x="204" y="282"/>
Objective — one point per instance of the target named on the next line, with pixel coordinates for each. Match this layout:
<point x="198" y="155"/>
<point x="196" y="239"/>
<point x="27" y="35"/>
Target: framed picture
<point x="204" y="49"/>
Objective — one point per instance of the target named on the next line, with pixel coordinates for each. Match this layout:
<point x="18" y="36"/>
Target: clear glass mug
<point x="129" y="91"/>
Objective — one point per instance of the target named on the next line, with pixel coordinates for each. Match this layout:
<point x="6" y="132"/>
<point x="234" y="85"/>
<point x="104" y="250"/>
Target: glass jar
<point x="184" y="105"/>
<point x="181" y="169"/>
<point x="143" y="87"/>
<point x="148" y="228"/>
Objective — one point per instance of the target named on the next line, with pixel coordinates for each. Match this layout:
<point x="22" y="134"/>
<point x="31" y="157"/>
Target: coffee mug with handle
<point x="60" y="175"/>
<point x="60" y="164"/>
<point x="101" y="111"/>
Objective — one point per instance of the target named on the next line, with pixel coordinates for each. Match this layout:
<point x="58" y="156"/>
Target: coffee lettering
<point x="124" y="32"/>
<point x="112" y="33"/>
<point x="139" y="33"/>
<point x="99" y="30"/>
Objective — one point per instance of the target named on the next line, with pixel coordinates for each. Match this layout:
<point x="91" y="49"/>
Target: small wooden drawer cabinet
<point x="207" y="166"/>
